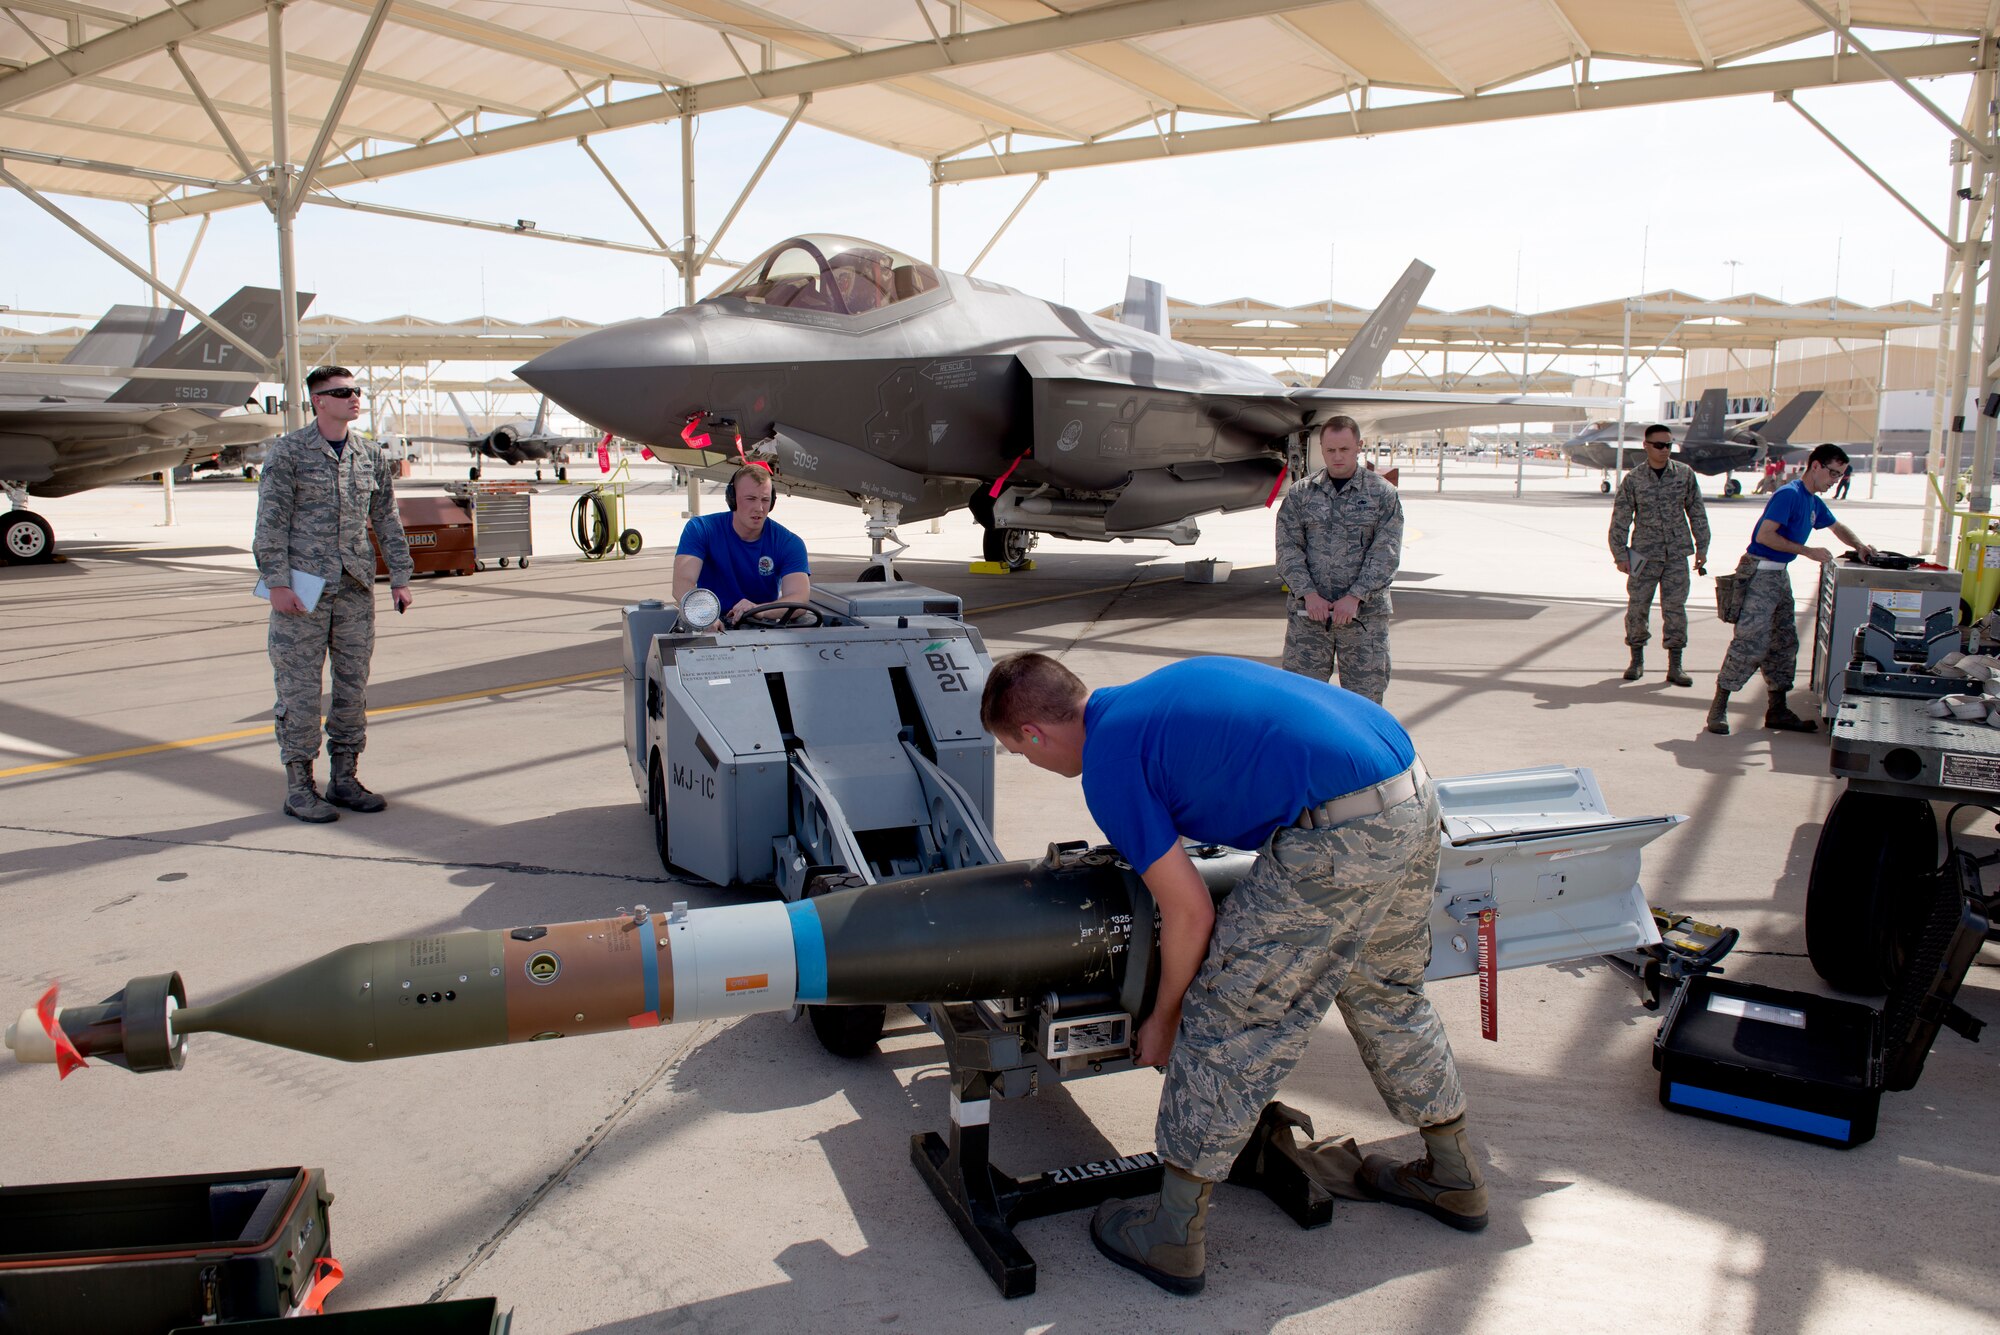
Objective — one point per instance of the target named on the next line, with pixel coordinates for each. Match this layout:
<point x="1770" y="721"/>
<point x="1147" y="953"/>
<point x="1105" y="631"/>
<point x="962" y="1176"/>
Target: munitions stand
<point x="1853" y="595"/>
<point x="989" y="1059"/>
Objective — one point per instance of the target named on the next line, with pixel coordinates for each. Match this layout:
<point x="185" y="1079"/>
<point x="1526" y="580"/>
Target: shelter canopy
<point x="121" y="85"/>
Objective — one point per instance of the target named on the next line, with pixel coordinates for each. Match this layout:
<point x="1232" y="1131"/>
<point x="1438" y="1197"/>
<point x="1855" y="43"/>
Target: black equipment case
<point x="144" y="1255"/>
<point x="1812" y="1067"/>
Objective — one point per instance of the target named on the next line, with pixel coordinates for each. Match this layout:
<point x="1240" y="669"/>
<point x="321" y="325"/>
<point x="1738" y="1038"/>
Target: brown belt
<point x="1364" y="801"/>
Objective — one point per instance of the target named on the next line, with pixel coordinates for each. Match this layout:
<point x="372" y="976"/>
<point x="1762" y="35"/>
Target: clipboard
<point x="305" y="584"/>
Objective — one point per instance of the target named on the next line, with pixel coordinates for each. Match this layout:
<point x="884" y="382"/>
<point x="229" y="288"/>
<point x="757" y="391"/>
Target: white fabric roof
<point x="448" y="78"/>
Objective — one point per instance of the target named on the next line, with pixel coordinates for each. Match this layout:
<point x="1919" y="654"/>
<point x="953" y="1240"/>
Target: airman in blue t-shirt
<point x="743" y="556"/>
<point x="1326" y="786"/>
<point x="1767" y="633"/>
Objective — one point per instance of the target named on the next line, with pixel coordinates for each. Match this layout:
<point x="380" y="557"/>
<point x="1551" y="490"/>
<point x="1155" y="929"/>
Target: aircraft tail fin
<point x="1362" y="361"/>
<point x="127" y="336"/>
<point x="1145" y="306"/>
<point x="542" y="416"/>
<point x="1778" y="430"/>
<point x="1710" y="422"/>
<point x="253" y="313"/>
<point x="459" y="408"/>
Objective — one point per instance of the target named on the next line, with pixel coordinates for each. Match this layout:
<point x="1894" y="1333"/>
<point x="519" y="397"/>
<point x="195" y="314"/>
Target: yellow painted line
<point x="265" y="731"/>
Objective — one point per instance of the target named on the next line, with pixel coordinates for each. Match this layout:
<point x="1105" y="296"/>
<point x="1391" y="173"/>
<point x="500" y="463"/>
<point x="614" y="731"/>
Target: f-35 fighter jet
<point x="859" y="374"/>
<point x="517" y="442"/>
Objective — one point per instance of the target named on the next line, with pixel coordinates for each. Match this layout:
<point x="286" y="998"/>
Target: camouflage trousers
<point x="1767" y="632"/>
<point x="1359" y="649"/>
<point x="1668" y="574"/>
<point x="1340" y="914"/>
<point x="344" y="625"/>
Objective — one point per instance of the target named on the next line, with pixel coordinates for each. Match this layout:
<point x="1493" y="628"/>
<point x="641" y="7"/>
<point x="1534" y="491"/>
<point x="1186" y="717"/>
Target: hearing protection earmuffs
<point x="729" y="491"/>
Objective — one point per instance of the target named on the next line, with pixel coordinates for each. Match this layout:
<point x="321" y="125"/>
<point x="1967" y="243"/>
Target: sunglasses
<point x="344" y="392"/>
<point x="1659" y="444"/>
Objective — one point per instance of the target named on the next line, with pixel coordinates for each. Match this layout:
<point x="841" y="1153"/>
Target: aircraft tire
<point x="1733" y="487"/>
<point x="1862" y="899"/>
<point x="992" y="544"/>
<point x="630" y="541"/>
<point x="1015" y="544"/>
<point x="1604" y="488"/>
<point x="562" y="474"/>
<point x="26" y="538"/>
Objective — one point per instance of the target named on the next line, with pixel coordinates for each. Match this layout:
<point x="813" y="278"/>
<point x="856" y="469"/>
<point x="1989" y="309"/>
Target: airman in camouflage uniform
<point x="1340" y="540"/>
<point x="1657" y="520"/>
<point x="314" y="509"/>
<point x="1335" y="909"/>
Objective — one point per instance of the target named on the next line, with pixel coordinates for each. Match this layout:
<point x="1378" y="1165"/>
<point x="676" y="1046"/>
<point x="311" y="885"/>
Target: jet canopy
<point x="822" y="272"/>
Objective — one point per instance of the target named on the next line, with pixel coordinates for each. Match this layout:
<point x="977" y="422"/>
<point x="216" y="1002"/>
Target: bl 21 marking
<point x="950" y="672"/>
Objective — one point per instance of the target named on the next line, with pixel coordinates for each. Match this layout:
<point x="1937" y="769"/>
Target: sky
<point x="1531" y="214"/>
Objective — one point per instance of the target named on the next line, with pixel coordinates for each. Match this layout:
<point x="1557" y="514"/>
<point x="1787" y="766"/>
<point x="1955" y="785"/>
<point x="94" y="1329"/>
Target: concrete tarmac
<point x="732" y="1177"/>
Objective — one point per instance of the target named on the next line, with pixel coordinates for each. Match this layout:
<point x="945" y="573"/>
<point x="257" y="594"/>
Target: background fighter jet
<point x="1709" y="442"/>
<point x="860" y="374"/>
<point x="62" y="434"/>
<point x="516" y="442"/>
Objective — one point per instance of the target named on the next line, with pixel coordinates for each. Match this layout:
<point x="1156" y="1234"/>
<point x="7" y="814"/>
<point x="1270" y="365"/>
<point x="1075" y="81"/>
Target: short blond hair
<point x="1029" y="688"/>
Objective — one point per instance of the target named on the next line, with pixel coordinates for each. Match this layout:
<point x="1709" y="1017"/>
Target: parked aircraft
<point x="96" y="431"/>
<point x="516" y="442"/>
<point x="862" y="375"/>
<point x="1711" y="441"/>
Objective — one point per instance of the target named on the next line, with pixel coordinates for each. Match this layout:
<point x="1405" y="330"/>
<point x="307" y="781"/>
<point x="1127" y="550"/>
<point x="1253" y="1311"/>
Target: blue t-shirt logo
<point x="765" y="565"/>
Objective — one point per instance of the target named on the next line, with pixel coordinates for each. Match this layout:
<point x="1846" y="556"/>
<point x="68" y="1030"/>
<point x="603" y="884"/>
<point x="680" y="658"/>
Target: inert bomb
<point x="1073" y="923"/>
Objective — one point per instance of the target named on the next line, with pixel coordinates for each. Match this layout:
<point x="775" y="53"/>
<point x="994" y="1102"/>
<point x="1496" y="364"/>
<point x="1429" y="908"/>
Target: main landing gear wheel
<point x="1864" y="898"/>
<point x="26" y="538"/>
<point x="1604" y="488"/>
<point x="629" y="542"/>
<point x="1733" y="487"/>
<point x="562" y="473"/>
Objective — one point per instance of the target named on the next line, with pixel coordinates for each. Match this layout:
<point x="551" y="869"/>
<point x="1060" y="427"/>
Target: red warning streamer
<point x="327" y="1274"/>
<point x="1489" y="978"/>
<point x="604" y="454"/>
<point x="67" y="1057"/>
<point x="1278" y="486"/>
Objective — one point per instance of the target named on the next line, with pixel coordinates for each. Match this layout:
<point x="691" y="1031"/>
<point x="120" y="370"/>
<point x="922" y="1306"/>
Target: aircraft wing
<point x="55" y="448"/>
<point x="1387" y="412"/>
<point x="443" y="440"/>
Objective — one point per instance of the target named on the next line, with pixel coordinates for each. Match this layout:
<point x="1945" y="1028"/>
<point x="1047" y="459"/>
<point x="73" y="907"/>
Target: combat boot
<point x="1718" y="712"/>
<point x="1164" y="1238"/>
<point x="1637" y="668"/>
<point x="1676" y="675"/>
<point x="1445" y="1184"/>
<point x="302" y="799"/>
<point x="1779" y="715"/>
<point x="344" y="790"/>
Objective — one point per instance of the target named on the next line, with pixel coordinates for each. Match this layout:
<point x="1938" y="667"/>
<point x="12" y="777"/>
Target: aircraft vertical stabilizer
<point x="1145" y="306"/>
<point x="253" y="314"/>
<point x="470" y="430"/>
<point x="1362" y="361"/>
<point x="1710" y="421"/>
<point x="542" y="416"/>
<point x="127" y="336"/>
<point x="1778" y="430"/>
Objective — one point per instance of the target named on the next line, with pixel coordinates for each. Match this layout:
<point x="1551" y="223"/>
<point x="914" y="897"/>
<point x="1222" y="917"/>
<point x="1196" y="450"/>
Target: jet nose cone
<point x="640" y="380"/>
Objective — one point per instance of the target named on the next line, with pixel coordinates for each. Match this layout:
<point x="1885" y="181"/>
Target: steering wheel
<point x="781" y="615"/>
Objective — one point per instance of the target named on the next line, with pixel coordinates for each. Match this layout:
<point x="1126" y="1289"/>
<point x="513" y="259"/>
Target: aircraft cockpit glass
<point x="836" y="274"/>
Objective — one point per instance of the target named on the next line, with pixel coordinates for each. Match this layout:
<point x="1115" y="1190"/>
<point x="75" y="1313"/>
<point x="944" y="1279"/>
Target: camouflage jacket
<point x="314" y="509"/>
<point x="1655" y="514"/>
<point x="1341" y="542"/>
